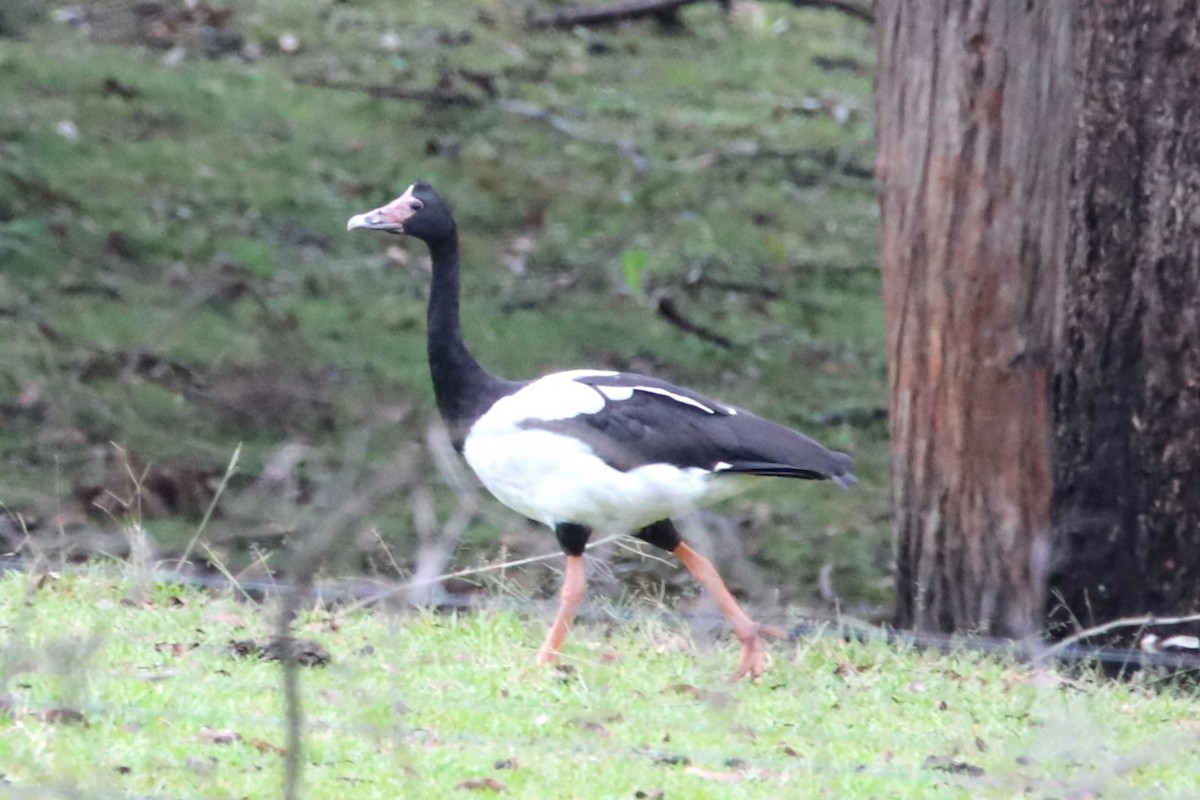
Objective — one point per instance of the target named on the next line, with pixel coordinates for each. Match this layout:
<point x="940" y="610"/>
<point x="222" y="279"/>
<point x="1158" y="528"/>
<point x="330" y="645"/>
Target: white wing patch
<point x="616" y="392"/>
<point x="678" y="398"/>
<point x="576" y="374"/>
<point x="556" y="396"/>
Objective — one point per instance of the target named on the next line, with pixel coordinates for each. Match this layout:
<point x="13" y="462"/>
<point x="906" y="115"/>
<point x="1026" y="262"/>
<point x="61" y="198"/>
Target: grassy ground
<point x="114" y="690"/>
<point x="177" y="278"/>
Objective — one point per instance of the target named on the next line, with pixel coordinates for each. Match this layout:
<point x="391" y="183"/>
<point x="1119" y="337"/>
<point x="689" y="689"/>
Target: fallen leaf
<point x="60" y="716"/>
<point x="674" y="643"/>
<point x="564" y="672"/>
<point x="112" y="86"/>
<point x="592" y="726"/>
<point x="67" y="129"/>
<point x="201" y="766"/>
<point x="482" y="785"/>
<point x="1044" y="679"/>
<point x="517" y="253"/>
<point x="263" y="746"/>
<point x="219" y="735"/>
<point x="41" y="579"/>
<point x="610" y="656"/>
<point x="176" y="649"/>
<point x="953" y="765"/>
<point x="507" y="763"/>
<point x="306" y="652"/>
<point x="390" y="41"/>
<point x="686" y="688"/>
<point x="672" y="760"/>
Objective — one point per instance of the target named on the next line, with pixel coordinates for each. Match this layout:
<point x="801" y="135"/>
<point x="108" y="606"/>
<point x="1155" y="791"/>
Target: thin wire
<point x="464" y="573"/>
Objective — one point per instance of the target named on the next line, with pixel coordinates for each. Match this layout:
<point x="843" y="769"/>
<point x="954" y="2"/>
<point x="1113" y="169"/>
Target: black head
<point x="419" y="213"/>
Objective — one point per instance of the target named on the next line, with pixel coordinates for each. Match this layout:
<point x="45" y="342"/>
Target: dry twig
<point x="1145" y="621"/>
<point x="306" y="559"/>
<point x="437" y="543"/>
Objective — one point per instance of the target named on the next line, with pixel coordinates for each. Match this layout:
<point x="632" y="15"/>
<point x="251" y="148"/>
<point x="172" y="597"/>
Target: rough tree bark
<point x="973" y="120"/>
<point x="1127" y="389"/>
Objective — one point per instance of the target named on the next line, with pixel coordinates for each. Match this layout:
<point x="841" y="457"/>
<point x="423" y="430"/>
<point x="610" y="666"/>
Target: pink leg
<point x="573" y="588"/>
<point x="749" y="632"/>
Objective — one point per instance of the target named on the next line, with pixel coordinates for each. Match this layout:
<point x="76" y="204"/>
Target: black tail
<point x="844" y="478"/>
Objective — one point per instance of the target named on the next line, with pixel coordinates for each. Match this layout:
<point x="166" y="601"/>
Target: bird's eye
<point x="417" y="205"/>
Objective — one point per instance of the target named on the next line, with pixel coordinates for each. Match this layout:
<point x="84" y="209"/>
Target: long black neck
<point x="464" y="390"/>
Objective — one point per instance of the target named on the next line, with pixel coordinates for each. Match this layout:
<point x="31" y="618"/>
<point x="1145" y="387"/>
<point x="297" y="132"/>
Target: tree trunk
<point x="1127" y="384"/>
<point x="974" y="123"/>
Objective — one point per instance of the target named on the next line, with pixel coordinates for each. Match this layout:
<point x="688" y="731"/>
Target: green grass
<point x="414" y="704"/>
<point x="198" y="217"/>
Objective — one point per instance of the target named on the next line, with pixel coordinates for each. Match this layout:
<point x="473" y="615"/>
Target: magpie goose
<point x="584" y="449"/>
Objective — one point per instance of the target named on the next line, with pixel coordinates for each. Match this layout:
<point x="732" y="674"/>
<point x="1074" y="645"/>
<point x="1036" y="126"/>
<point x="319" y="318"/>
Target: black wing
<point x="650" y="421"/>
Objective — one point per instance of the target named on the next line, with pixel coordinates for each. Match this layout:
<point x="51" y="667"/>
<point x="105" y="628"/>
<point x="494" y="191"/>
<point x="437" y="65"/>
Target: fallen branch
<point x="1146" y="621"/>
<point x="624" y="146"/>
<point x="665" y="10"/>
<point x="437" y="96"/>
<point x="670" y="312"/>
<point x="834" y="160"/>
<point x="855" y="8"/>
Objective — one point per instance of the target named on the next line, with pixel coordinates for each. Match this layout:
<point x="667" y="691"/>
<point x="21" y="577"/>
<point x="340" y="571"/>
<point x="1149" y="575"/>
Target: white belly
<point x="554" y="478"/>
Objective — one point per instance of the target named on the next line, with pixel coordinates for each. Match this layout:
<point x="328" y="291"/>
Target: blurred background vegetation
<point x="692" y="200"/>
